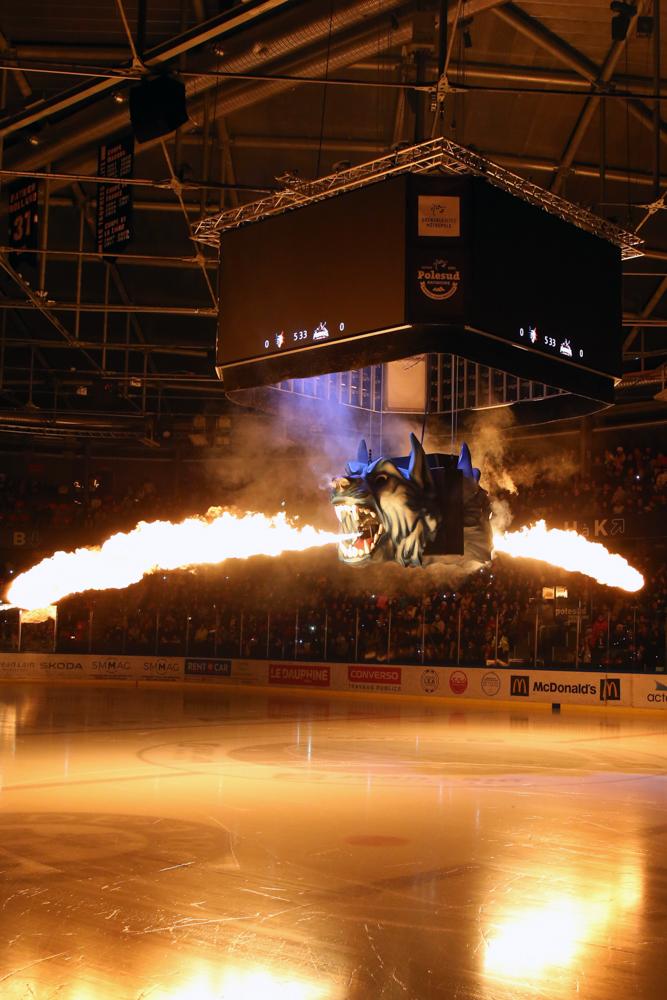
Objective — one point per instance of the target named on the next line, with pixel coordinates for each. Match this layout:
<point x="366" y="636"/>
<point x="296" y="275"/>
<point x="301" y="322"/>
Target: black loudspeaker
<point x="157" y="107"/>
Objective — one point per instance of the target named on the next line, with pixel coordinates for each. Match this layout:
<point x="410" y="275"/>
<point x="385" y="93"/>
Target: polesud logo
<point x="438" y="280"/>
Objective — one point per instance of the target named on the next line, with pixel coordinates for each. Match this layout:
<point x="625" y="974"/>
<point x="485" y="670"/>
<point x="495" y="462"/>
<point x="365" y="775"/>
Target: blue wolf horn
<point x="465" y="464"/>
<point x="362" y="452"/>
<point x="418" y="470"/>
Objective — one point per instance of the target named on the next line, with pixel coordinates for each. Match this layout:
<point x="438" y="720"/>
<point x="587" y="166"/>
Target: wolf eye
<point x="381" y="478"/>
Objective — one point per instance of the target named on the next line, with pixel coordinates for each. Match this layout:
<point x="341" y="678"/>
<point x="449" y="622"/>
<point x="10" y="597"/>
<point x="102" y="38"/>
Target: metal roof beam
<point x="34" y="301"/>
<point x="599" y="78"/>
<point x="21" y="79"/>
<point x="51" y="306"/>
<point x="141" y="260"/>
<point x="592" y="103"/>
<point x="114" y="347"/>
<point x="646" y="312"/>
<point x="536" y="32"/>
<point x="230" y="21"/>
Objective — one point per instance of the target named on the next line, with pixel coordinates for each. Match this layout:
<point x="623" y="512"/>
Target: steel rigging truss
<point x="437" y="154"/>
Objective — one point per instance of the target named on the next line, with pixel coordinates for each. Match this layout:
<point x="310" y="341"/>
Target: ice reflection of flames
<point x="533" y="942"/>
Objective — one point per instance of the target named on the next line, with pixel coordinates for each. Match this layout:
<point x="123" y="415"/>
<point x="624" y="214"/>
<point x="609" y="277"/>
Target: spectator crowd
<point x="311" y="608"/>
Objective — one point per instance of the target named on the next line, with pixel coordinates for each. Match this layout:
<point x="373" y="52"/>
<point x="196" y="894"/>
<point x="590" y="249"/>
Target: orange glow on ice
<point x="571" y="552"/>
<point x="160" y="545"/>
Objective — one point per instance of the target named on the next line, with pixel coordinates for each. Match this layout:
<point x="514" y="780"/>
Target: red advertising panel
<point x="374" y="675"/>
<point x="303" y="675"/>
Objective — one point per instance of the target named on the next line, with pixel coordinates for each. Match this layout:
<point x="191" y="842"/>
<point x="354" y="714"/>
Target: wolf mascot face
<point x="393" y="509"/>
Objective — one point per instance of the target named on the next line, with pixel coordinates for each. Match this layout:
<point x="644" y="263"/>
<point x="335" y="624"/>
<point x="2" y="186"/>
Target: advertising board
<point x="514" y="686"/>
<point x="649" y="691"/>
<point x="570" y="688"/>
<point x="300" y="674"/>
<point x="373" y="677"/>
<point x="456" y="682"/>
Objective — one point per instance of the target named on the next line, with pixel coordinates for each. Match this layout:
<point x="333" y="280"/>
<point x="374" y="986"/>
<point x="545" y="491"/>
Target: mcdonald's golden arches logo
<point x="520" y="685"/>
<point x="610" y="689"/>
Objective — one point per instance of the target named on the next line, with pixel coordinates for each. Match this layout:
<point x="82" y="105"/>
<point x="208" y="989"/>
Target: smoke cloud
<point x="287" y="448"/>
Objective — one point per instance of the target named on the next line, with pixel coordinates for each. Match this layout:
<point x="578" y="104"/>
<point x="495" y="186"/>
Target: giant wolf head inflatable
<point x="412" y="509"/>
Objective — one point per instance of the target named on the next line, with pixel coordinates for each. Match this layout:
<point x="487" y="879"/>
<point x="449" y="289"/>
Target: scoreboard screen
<point x="414" y="264"/>
<point x="309" y="278"/>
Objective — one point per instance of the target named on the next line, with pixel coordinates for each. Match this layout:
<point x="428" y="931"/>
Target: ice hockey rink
<point x="199" y="844"/>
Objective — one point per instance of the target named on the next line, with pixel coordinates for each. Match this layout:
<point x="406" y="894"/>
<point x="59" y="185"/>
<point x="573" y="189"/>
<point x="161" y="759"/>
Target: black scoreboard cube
<point x="420" y="263"/>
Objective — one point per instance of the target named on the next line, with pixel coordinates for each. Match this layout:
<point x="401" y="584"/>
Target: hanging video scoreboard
<point x="416" y="264"/>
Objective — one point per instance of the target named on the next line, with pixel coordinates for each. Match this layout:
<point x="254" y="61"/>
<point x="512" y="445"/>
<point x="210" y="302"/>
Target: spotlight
<point x="620" y="22"/>
<point x="118" y="97"/>
<point x="33" y="139"/>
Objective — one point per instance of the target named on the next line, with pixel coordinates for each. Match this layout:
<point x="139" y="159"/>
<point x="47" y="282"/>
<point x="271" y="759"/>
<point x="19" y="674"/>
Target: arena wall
<point x="514" y="685"/>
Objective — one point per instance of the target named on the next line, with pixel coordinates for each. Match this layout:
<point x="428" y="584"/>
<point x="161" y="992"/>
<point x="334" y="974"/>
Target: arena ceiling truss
<point x="283" y="93"/>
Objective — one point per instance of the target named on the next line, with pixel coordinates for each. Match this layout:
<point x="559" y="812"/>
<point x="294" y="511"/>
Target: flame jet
<point x="160" y="545"/>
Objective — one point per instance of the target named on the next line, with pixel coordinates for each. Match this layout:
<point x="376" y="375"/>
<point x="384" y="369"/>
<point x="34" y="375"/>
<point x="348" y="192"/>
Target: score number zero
<point x="299" y="335"/>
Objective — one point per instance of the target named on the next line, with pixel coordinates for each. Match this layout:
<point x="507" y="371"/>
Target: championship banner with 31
<point x="23" y="202"/>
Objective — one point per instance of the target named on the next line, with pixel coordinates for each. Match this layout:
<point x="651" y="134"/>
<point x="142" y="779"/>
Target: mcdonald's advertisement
<point x="570" y="688"/>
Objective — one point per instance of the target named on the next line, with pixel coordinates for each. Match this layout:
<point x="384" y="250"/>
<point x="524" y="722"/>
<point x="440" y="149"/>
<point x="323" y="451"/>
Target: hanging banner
<point x="114" y="201"/>
<point x="23" y="203"/>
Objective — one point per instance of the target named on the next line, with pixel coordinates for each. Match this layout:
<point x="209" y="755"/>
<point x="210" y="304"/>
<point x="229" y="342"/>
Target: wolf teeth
<point x="347" y="511"/>
<point x="352" y="552"/>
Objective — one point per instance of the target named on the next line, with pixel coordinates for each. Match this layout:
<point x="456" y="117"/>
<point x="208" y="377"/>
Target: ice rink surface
<point x="200" y="844"/>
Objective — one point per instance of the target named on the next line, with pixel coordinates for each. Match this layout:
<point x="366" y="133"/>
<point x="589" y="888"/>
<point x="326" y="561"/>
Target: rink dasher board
<point x="89" y="667"/>
<point x="515" y="685"/>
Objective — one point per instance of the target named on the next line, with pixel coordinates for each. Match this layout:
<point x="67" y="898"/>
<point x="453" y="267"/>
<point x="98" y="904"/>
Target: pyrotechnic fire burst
<point x="160" y="545"/>
<point x="220" y="534"/>
<point x="569" y="551"/>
